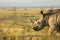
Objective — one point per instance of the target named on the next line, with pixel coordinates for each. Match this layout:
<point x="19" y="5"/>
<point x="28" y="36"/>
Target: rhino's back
<point x="54" y="19"/>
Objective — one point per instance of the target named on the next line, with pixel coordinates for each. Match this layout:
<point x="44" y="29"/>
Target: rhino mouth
<point x="40" y="27"/>
<point x="36" y="28"/>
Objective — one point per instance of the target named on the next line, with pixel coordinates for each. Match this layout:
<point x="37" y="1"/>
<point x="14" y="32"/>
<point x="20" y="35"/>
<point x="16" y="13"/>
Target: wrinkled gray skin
<point x="52" y="20"/>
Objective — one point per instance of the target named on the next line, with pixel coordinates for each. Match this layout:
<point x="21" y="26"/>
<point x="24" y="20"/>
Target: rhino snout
<point x="36" y="28"/>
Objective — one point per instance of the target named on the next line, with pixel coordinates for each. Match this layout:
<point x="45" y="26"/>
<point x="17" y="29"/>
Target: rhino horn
<point x="32" y="21"/>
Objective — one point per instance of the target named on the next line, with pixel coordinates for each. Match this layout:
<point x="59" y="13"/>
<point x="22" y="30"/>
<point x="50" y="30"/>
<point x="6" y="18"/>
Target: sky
<point x="29" y="3"/>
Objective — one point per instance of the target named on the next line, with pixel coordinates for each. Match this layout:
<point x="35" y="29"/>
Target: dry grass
<point x="17" y="22"/>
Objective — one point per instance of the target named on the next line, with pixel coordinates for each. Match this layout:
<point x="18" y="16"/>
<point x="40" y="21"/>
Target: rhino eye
<point x="38" y="22"/>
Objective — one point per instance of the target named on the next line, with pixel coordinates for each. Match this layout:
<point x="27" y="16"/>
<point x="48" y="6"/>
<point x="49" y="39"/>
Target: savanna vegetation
<point x="15" y="25"/>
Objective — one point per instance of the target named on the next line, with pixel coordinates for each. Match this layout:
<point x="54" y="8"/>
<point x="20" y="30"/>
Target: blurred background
<point x="29" y="3"/>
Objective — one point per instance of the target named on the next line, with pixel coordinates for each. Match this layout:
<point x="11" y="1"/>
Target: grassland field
<point x="14" y="22"/>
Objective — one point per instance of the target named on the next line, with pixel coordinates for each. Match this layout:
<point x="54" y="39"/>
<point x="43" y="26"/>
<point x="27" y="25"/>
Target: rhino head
<point x="39" y="24"/>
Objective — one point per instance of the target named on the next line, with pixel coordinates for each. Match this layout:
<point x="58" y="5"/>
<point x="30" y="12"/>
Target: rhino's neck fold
<point x="46" y="18"/>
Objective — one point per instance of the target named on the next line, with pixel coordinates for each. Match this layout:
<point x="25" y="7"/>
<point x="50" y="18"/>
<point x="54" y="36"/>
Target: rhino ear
<point x="41" y="12"/>
<point x="32" y="21"/>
